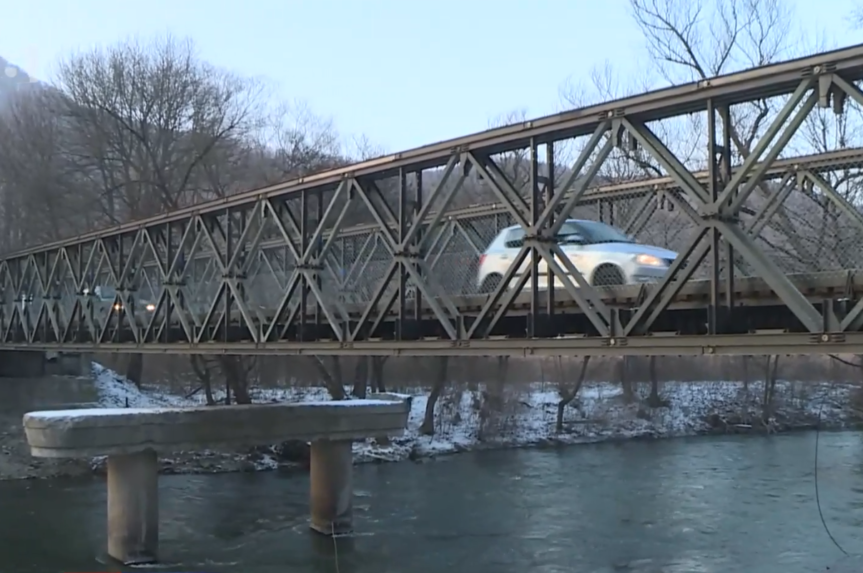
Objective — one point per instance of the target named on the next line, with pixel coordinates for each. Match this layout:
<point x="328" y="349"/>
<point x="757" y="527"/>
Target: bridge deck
<point x="681" y="328"/>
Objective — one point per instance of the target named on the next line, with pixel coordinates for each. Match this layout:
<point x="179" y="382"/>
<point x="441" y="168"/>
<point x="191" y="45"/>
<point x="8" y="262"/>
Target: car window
<point x="593" y="232"/>
<point x="514" y="238"/>
<point x="106" y="292"/>
<point x="570" y="232"/>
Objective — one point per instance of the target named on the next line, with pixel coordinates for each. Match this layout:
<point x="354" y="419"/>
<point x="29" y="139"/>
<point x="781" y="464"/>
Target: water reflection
<point x="20" y="395"/>
<point x="692" y="505"/>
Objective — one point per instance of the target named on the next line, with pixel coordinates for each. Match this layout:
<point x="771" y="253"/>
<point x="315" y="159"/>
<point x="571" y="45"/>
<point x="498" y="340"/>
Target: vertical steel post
<point x="535" y="211"/>
<point x="403" y="275"/>
<point x="168" y="305"/>
<point x="418" y="299"/>
<point x="549" y="195"/>
<point x="227" y="296"/>
<point x="725" y="174"/>
<point x="316" y="249"/>
<point x="713" y="189"/>
<point x="304" y="287"/>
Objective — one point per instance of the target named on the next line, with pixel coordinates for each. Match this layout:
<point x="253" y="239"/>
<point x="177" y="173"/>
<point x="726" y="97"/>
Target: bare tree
<point x="142" y="120"/>
<point x="43" y="198"/>
<point x="427" y="428"/>
<point x="147" y="116"/>
<point x="855" y="19"/>
<point x="654" y="400"/>
<point x="567" y="390"/>
<point x="767" y="402"/>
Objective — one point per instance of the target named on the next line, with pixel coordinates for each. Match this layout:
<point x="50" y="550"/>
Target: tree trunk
<point x="654" y="400"/>
<point x="236" y="377"/>
<point x="208" y="392"/>
<point x="626" y="384"/>
<point x="428" y="426"/>
<point x="333" y="382"/>
<point x="495" y="397"/>
<point x="202" y="371"/>
<point x="378" y="363"/>
<point x="567" y="396"/>
<point x="361" y="377"/>
<point x="135" y="369"/>
<point x="769" y="389"/>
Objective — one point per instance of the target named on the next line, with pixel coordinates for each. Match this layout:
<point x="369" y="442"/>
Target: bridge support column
<point x="133" y="507"/>
<point x="331" y="487"/>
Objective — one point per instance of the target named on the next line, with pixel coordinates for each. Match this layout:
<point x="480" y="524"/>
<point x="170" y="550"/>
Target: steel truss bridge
<point x="382" y="257"/>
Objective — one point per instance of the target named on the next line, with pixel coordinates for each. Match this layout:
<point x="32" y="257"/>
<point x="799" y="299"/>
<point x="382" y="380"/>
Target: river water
<point x="699" y="505"/>
<point x="724" y="504"/>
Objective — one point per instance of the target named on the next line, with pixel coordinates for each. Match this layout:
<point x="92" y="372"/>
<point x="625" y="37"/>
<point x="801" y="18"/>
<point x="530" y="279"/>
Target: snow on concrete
<point x="55" y="415"/>
<point x="349" y="403"/>
<point x="600" y="412"/>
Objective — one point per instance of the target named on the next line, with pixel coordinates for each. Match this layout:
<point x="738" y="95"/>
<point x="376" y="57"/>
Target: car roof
<point x="513" y="227"/>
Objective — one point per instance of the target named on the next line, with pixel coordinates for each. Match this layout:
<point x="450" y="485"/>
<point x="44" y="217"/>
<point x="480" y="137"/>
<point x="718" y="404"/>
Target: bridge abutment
<point x="133" y="507"/>
<point x="22" y="364"/>
<point x="331" y="487"/>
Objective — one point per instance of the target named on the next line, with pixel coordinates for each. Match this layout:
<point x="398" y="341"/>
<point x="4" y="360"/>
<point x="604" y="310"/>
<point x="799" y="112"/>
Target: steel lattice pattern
<point x="452" y="248"/>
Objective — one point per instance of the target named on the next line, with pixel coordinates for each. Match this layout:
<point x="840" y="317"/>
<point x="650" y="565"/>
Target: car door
<point x="512" y="244"/>
<point x="571" y="239"/>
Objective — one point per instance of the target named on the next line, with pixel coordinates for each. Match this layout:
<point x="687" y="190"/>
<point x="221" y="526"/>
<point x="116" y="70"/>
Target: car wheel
<point x="490" y="284"/>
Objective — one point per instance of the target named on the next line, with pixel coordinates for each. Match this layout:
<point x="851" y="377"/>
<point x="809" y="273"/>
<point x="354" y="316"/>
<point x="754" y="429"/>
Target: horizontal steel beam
<point x="757" y="83"/>
<point x="653" y="345"/>
<point x="748" y="291"/>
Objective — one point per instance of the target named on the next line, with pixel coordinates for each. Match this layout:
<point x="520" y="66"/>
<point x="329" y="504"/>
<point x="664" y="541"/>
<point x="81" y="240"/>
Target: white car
<point x="604" y="255"/>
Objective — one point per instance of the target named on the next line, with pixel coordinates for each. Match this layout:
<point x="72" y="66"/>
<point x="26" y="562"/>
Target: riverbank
<point x="526" y="416"/>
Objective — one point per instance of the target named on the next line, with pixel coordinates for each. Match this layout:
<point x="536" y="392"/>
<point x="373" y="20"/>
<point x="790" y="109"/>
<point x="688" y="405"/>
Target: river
<point x="717" y="504"/>
<point x="707" y="504"/>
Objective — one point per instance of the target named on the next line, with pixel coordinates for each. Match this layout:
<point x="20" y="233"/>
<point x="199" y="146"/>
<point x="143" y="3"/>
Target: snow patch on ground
<point x="528" y="414"/>
<point x="115" y="391"/>
<point x="601" y="412"/>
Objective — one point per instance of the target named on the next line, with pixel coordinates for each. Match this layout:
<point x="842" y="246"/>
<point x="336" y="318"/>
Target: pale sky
<point x="403" y="73"/>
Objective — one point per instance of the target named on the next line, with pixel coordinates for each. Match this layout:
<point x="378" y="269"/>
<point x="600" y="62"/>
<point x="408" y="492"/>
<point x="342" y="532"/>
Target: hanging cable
<point x="817" y="490"/>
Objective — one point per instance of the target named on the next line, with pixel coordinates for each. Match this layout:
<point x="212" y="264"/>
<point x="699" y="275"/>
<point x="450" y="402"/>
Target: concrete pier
<point x="133" y="507"/>
<point x="331" y="499"/>
<point x="131" y="438"/>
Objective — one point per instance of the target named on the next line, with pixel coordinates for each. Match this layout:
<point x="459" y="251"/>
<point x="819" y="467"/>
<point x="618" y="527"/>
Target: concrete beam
<point x="113" y="431"/>
<point x="130" y="437"/>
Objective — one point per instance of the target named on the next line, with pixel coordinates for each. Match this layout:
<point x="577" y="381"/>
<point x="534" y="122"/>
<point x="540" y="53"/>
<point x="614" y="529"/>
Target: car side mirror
<point x="571" y="240"/>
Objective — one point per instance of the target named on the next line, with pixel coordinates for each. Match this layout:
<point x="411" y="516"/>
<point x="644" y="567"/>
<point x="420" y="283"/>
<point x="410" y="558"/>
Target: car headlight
<point x="118" y="306"/>
<point x="649" y="261"/>
<point x="151" y="307"/>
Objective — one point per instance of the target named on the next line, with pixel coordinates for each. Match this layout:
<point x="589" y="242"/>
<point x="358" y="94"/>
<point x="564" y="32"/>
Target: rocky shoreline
<point x="601" y="413"/>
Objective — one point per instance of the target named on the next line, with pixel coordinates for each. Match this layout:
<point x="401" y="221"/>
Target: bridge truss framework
<point x="193" y="281"/>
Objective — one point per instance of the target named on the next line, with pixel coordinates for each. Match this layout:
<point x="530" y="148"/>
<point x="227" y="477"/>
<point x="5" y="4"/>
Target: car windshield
<point x="592" y="233"/>
<point x="106" y="292"/>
